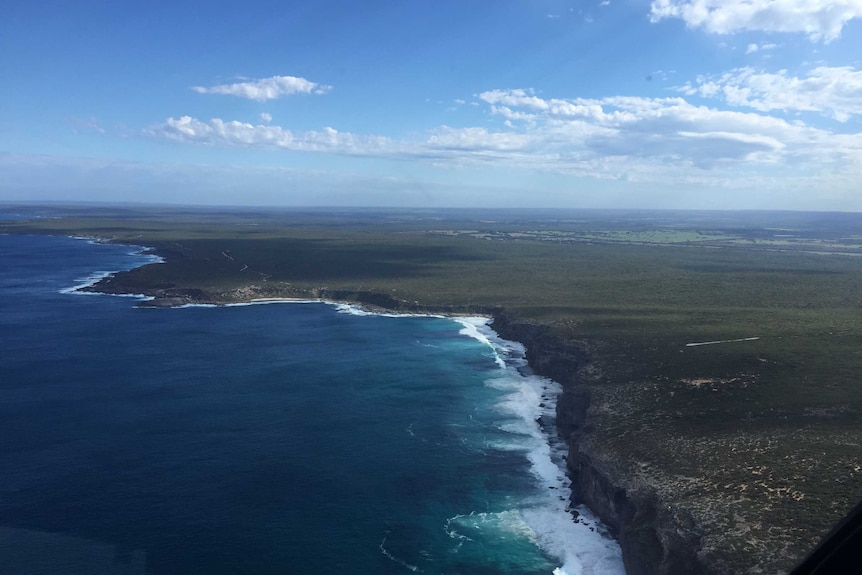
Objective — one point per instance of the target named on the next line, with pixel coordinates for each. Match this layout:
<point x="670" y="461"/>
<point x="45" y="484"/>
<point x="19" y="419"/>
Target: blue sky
<point x="530" y="103"/>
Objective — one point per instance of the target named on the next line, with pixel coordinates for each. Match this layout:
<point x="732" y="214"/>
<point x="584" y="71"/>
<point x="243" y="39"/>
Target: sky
<point x="693" y="104"/>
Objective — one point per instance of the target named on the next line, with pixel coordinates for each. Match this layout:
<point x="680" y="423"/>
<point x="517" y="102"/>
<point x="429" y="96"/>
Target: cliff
<point x="657" y="531"/>
<point x="732" y="458"/>
<point x="656" y="538"/>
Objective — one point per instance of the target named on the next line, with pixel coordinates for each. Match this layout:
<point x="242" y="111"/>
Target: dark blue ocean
<point x="283" y="438"/>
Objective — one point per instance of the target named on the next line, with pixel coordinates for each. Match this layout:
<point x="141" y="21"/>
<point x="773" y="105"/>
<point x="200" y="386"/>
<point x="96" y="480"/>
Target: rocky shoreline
<point x="655" y="538"/>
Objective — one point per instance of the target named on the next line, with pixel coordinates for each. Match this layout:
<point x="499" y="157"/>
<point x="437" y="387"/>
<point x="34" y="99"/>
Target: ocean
<point x="276" y="438"/>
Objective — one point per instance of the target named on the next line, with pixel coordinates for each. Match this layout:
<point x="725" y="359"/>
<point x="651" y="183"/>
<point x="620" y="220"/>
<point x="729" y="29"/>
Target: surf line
<point x="401" y="562"/>
<point x="720" y="341"/>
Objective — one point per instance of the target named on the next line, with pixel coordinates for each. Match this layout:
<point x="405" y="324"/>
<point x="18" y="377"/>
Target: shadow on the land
<point x="315" y="259"/>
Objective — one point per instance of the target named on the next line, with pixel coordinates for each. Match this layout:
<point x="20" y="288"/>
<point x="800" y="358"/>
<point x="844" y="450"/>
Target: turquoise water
<point x="279" y="438"/>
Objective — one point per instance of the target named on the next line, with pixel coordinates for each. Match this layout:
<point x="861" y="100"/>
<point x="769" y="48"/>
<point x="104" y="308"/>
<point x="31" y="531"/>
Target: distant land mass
<point x="710" y="361"/>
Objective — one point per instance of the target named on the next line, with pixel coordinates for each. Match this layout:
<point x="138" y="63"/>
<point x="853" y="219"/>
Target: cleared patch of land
<point x="760" y="440"/>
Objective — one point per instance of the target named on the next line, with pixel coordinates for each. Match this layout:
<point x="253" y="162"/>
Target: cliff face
<point x="656" y="538"/>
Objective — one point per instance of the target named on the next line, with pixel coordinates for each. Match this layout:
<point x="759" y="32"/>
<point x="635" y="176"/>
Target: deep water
<point x="266" y="439"/>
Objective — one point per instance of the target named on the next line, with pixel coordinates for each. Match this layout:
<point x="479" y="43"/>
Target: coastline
<point x="654" y="538"/>
<point x="474" y="426"/>
<point x="755" y="444"/>
<point x="472" y="319"/>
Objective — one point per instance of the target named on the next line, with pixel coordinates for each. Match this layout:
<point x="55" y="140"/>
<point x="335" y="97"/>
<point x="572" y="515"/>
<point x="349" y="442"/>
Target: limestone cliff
<point x="656" y="538"/>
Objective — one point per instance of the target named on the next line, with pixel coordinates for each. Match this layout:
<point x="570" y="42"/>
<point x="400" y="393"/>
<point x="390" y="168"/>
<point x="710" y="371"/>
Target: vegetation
<point x="760" y="439"/>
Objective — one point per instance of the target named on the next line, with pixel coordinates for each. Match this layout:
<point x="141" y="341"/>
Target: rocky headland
<point x="682" y="454"/>
<point x="655" y="539"/>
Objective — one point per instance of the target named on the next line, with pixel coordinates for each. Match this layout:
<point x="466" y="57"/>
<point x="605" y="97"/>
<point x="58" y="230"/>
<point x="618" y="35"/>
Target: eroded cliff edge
<point x="656" y="537"/>
<point x="685" y="486"/>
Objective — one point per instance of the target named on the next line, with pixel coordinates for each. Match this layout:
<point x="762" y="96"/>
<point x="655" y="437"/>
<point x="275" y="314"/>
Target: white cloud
<point x="218" y="132"/>
<point x="833" y="91"/>
<point x="752" y="48"/>
<point x="443" y="143"/>
<point x="518" y="97"/>
<point x="821" y="20"/>
<point x="475" y="140"/>
<point x="266" y="88"/>
<point x="653" y="139"/>
<point x="596" y="137"/>
<point x="265" y="118"/>
<point x="650" y="140"/>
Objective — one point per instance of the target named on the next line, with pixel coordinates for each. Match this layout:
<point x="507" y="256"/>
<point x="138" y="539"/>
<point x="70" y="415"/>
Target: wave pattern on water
<point x="529" y="418"/>
<point x="385" y="444"/>
<point x="140" y="257"/>
<point x="395" y="559"/>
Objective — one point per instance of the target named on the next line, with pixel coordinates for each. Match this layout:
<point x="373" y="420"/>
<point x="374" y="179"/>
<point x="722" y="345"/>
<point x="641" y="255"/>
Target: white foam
<point x="98" y="276"/>
<point x="489" y="524"/>
<point x="95" y="278"/>
<point x="477" y="328"/>
<point x="452" y="533"/>
<point x="544" y="518"/>
<point x="529" y="400"/>
<point x="86" y="282"/>
<point x="351" y="309"/>
<point x="580" y="549"/>
<point x="354" y="309"/>
<point x="401" y="562"/>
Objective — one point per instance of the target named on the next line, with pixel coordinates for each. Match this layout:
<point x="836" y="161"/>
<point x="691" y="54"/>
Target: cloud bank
<point x="218" y="132"/>
<point x="821" y="20"/>
<point x="614" y="138"/>
<point x="832" y="91"/>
